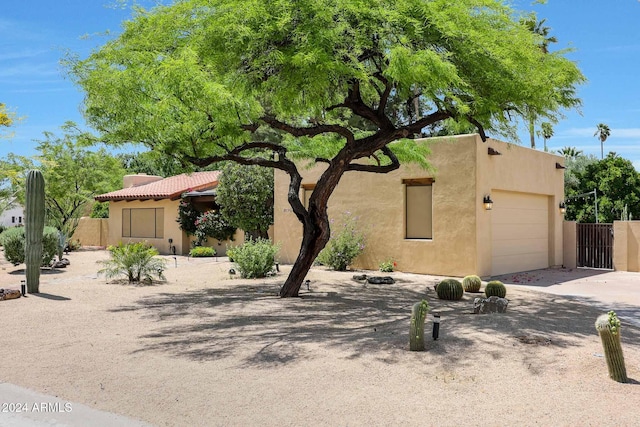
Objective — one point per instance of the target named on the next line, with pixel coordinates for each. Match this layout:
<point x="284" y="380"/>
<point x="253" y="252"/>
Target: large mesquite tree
<point x="338" y="82"/>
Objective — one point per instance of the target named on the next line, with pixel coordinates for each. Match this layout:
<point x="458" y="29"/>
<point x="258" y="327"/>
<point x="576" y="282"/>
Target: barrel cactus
<point x="471" y="283"/>
<point x="34" y="226"/>
<point x="416" y="330"/>
<point x="495" y="288"/>
<point x="450" y="289"/>
<point x="608" y="327"/>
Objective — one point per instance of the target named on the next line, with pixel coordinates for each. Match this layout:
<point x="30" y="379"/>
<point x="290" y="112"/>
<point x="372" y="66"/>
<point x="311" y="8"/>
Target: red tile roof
<point x="168" y="188"/>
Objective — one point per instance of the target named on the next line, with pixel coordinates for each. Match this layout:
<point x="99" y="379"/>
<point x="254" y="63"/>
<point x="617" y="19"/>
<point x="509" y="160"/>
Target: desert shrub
<point x="344" y="246"/>
<point x="495" y="288"/>
<point x="387" y="266"/>
<point x="100" y="210"/>
<point x="202" y="251"/>
<point x="471" y="283"/>
<point x="212" y="224"/>
<point x="13" y="239"/>
<point x="136" y="261"/>
<point x="450" y="289"/>
<point x="255" y="258"/>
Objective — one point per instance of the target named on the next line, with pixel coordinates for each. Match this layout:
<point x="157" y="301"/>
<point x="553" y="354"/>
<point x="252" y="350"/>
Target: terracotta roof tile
<point x="168" y="188"/>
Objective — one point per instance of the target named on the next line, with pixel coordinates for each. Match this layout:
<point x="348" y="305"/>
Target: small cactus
<point x="471" y="283"/>
<point x="416" y="331"/>
<point x="495" y="288"/>
<point x="450" y="289"/>
<point x="34" y="226"/>
<point x="608" y="327"/>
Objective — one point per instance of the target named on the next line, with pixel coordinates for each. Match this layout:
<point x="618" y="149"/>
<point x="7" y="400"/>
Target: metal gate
<point x="595" y="245"/>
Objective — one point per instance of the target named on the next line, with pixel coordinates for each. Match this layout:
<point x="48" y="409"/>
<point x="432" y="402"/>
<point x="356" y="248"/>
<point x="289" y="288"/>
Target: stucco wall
<point x="626" y="245"/>
<point x="569" y="245"/>
<point x="92" y="231"/>
<point x="171" y="227"/>
<point x="463" y="174"/>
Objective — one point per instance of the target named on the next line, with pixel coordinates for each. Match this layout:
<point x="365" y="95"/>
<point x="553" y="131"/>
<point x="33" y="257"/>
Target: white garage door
<point x="520" y="232"/>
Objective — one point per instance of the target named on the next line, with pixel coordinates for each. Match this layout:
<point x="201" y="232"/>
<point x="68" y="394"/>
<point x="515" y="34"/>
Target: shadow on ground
<point x="250" y="319"/>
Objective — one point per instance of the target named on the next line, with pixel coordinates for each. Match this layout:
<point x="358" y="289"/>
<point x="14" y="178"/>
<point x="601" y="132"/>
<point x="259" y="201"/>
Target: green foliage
<point x="495" y="288"/>
<point x="187" y="216"/>
<point x="13" y="240"/>
<point x="245" y="194"/>
<point x="255" y="258"/>
<point x="416" y="330"/>
<point x="387" y="266"/>
<point x="74" y="174"/>
<point x="450" y="289"/>
<point x="346" y="243"/>
<point x="471" y="283"/>
<point x="213" y="224"/>
<point x="202" y="251"/>
<point x="616" y="182"/>
<point x="100" y="210"/>
<point x="136" y="261"/>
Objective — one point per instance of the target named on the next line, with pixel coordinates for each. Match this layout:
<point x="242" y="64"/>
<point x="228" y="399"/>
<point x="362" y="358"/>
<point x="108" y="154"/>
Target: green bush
<point x="202" y="251"/>
<point x="13" y="240"/>
<point x="100" y="210"/>
<point x="472" y="283"/>
<point x="495" y="288"/>
<point x="344" y="246"/>
<point x="255" y="258"/>
<point x="137" y="261"/>
<point x="387" y="266"/>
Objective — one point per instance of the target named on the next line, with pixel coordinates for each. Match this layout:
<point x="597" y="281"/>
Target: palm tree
<point x="546" y="131"/>
<point x="570" y="152"/>
<point x="537" y="28"/>
<point x="602" y="132"/>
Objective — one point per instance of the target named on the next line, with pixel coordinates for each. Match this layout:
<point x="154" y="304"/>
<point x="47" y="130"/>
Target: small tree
<point x="136" y="261"/>
<point x="245" y="194"/>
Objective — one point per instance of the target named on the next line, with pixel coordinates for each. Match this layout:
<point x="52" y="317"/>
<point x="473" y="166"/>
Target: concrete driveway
<point x="611" y="290"/>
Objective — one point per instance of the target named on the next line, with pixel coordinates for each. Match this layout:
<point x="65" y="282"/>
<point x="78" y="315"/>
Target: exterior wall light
<point x="563" y="208"/>
<point x="487" y="202"/>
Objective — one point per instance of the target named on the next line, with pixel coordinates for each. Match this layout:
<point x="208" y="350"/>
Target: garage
<point x="520" y="232"/>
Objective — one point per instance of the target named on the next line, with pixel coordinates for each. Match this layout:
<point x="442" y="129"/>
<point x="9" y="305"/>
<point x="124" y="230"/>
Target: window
<point x="13" y="219"/>
<point x="19" y="220"/>
<point x="143" y="223"/>
<point x="418" y="208"/>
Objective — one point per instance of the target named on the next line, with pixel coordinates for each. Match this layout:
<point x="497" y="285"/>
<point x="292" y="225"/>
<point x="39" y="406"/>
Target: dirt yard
<point x="205" y="349"/>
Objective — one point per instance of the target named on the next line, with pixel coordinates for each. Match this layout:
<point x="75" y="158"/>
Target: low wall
<point x="626" y="245"/>
<point x="92" y="231"/>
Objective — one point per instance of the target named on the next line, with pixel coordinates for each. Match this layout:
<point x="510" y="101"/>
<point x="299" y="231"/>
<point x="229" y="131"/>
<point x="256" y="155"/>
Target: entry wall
<point x="626" y="245"/>
<point x="92" y="231"/>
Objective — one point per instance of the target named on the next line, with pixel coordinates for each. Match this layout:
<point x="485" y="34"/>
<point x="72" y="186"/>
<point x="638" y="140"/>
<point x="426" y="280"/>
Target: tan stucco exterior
<point x="170" y="228"/>
<point x="92" y="231"/>
<point x="462" y="229"/>
<point x="569" y="242"/>
<point x="626" y="245"/>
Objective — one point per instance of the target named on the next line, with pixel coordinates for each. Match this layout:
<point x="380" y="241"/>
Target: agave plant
<point x="137" y="261"/>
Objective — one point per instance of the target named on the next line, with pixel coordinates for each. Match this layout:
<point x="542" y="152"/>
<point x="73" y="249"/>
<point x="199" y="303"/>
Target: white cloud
<point x="588" y="132"/>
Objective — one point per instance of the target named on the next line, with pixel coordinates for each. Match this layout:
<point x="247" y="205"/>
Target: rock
<point x="360" y="277"/>
<point x="59" y="264"/>
<point x="9" y="294"/>
<point x="492" y="304"/>
<point x="381" y="280"/>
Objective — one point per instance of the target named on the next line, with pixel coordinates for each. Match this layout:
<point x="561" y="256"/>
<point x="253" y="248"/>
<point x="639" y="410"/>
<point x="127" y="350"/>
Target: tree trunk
<point x="314" y="238"/>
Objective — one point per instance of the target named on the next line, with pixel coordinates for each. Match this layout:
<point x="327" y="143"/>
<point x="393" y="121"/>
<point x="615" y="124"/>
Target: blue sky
<point x="34" y="34"/>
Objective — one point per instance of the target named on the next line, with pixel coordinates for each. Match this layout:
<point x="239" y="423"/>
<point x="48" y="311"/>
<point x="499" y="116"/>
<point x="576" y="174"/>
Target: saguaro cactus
<point x="416" y="331"/>
<point x="608" y="327"/>
<point x="34" y="226"/>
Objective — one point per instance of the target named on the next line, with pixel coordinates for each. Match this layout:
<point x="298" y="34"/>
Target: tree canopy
<point x="6" y="118"/>
<point x="331" y="81"/>
<point x="615" y="180"/>
<point x="73" y="174"/>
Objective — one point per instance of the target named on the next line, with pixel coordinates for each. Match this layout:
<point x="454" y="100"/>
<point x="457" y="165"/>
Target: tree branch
<point x="395" y="164"/>
<point x="308" y="131"/>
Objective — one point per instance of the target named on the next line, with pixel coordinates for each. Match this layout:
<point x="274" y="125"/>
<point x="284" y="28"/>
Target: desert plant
<point x="34" y="227"/>
<point x="344" y="246"/>
<point x="202" y="251"/>
<point x="212" y="224"/>
<point x="416" y="329"/>
<point x="450" y="289"/>
<point x="137" y="261"/>
<point x="471" y="283"/>
<point x="608" y="327"/>
<point x="495" y="288"/>
<point x="255" y="258"/>
<point x="387" y="266"/>
<point x="13" y="240"/>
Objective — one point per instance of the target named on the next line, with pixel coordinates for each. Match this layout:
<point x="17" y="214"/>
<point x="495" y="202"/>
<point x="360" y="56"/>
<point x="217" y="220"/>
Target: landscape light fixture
<point x="436" y="326"/>
<point x="487" y="202"/>
<point x="563" y="208"/>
